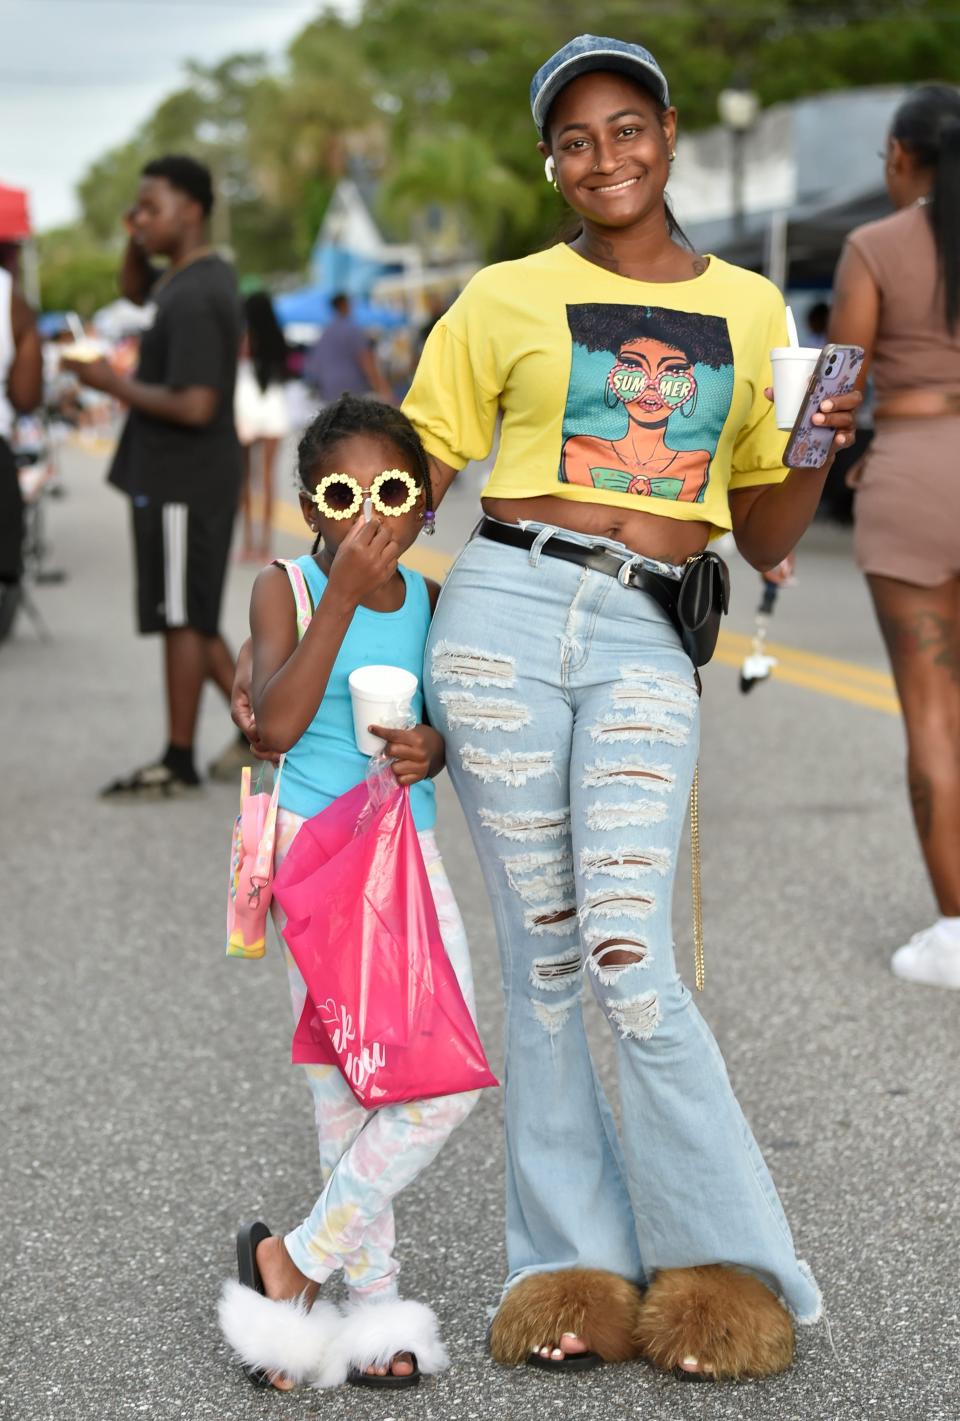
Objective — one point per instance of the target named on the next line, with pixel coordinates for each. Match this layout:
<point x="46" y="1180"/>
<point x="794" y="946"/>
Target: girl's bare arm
<point x="290" y="677"/>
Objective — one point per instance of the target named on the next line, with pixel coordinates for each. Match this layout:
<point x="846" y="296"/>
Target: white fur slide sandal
<point x="371" y="1336"/>
<point x="269" y="1335"/>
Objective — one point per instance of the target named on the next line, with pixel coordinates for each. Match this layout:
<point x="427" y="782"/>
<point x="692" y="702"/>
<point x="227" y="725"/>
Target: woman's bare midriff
<point x="918" y="404"/>
<point x="666" y="539"/>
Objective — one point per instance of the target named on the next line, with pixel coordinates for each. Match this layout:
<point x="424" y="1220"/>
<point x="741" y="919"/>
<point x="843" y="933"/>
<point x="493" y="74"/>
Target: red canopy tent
<point x="14" y="217"/>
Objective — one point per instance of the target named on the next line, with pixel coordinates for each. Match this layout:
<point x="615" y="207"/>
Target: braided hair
<point x="355" y="414"/>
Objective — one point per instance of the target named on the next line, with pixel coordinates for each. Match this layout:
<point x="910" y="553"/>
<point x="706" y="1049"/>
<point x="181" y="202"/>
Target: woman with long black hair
<point x="897" y="294"/>
<point x="262" y="416"/>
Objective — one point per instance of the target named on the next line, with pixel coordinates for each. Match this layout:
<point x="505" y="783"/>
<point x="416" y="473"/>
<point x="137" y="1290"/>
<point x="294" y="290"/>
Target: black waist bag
<point x="703" y="598"/>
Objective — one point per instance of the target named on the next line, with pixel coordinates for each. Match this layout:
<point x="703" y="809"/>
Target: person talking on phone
<point x="630" y="373"/>
<point x="897" y="293"/>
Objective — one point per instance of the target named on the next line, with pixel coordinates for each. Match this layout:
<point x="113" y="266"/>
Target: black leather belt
<point x="664" y="590"/>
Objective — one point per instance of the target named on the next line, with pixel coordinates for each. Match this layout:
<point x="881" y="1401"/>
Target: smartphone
<point x="835" y="373"/>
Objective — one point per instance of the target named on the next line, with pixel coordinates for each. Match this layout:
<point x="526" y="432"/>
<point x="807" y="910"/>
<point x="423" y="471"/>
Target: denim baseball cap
<point x="586" y="53"/>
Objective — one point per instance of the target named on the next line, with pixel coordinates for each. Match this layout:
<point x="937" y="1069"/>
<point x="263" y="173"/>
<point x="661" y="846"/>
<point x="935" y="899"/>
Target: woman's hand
<point x="417" y="754"/>
<point x="364" y="561"/>
<point x="839" y="413"/>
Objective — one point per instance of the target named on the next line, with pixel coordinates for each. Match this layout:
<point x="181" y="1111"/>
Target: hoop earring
<point x="610" y="398"/>
<point x="688" y="409"/>
<point x="550" y="173"/>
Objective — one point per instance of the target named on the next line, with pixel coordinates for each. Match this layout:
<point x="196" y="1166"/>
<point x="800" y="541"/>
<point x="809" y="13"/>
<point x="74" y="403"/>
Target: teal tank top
<point x="325" y="761"/>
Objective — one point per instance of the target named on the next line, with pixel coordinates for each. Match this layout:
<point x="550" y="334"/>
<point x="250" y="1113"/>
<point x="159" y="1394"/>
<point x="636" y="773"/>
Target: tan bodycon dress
<point x="908" y="502"/>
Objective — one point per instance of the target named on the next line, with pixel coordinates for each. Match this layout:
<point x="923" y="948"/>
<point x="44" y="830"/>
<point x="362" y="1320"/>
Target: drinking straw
<point x="367" y="509"/>
<point x="792" y="336"/>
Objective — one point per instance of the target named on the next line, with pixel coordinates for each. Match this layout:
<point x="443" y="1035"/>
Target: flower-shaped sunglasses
<point x="391" y="493"/>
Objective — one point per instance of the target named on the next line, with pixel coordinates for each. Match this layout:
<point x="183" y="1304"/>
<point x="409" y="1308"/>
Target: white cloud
<point x="78" y="76"/>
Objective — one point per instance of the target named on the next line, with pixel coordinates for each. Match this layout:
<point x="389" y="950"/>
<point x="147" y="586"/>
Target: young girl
<point x="367" y="611"/>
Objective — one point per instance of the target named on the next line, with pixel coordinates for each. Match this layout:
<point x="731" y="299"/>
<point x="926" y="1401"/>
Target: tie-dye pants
<point x="367" y="1157"/>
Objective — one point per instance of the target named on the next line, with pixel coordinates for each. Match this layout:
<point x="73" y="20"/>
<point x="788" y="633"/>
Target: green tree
<point x="77" y="273"/>
<point x="446" y="67"/>
<point x="458" y="172"/>
<point x="308" y="123"/>
<point x="431" y="97"/>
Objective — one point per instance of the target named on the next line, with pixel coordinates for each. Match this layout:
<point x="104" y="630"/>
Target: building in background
<point x="810" y="174"/>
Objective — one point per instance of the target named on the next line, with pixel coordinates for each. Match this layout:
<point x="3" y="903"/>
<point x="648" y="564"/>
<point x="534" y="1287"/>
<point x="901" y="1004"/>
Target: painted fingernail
<point x="827" y="406"/>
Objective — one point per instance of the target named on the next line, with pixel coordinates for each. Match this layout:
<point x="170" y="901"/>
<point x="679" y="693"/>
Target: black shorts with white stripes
<point x="181" y="557"/>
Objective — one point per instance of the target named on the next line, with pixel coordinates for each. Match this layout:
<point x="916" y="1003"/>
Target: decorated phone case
<point x="835" y="373"/>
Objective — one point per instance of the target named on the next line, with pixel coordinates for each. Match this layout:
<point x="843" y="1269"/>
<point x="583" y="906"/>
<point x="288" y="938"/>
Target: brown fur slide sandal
<point x="719" y="1321"/>
<point x="600" y="1308"/>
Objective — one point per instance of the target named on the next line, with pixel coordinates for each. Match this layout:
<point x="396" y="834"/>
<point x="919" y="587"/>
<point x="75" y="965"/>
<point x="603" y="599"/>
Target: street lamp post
<point x="738" y="109"/>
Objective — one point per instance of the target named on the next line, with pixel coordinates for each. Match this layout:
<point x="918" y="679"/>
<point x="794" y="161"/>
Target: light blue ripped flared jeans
<point x="571" y="721"/>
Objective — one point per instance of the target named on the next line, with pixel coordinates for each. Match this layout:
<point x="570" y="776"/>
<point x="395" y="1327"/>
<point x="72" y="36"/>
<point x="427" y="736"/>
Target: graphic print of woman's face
<point x="652" y="379"/>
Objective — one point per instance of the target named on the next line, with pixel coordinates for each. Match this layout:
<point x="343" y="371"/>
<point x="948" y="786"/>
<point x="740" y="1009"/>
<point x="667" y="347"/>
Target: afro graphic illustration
<point x="649" y="392"/>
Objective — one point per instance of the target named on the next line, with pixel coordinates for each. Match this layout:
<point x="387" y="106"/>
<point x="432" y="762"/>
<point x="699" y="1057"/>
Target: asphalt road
<point x="149" y="1107"/>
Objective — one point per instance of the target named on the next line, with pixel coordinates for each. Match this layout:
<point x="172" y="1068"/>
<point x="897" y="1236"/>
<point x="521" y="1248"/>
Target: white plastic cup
<point x="792" y="367"/>
<point x="381" y="695"/>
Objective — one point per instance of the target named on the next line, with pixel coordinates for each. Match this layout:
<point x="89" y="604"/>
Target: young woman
<point x="260" y="410"/>
<point x="365" y="611"/>
<point x="631" y="378"/>
<point x="897" y="293"/>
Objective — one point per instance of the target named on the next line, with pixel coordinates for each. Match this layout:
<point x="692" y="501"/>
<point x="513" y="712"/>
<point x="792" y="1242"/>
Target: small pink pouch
<point x="250" y="886"/>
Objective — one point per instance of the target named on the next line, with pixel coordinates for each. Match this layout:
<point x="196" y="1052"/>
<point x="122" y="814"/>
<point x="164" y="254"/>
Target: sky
<point x="78" y="76"/>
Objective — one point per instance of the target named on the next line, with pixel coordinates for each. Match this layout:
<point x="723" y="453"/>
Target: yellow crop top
<point x="631" y="393"/>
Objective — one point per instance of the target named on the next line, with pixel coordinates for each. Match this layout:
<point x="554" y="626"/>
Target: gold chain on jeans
<point x="695" y="874"/>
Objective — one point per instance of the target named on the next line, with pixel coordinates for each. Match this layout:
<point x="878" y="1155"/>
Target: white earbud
<point x="550" y="171"/>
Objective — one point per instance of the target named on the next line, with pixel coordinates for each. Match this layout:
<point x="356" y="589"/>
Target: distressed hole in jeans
<point x="510" y="767"/>
<point x="629" y="815"/>
<point x="542" y="874"/>
<point x="617" y="903"/>
<point x="553" y="1016"/>
<point x="559" y="918"/>
<point x="551" y="974"/>
<point x="527" y="823"/>
<point x="640" y="686"/>
<point x="623" y="861"/>
<point x="658" y="779"/>
<point x="654" y="728"/>
<point x="636" y="1017"/>
<point x="616" y="955"/>
<point x="464" y="709"/>
<point x="469" y="666"/>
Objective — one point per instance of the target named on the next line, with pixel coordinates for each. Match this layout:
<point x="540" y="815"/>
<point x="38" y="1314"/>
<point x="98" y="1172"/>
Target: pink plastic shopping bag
<point x="383" y="1002"/>
<point x="250" y="885"/>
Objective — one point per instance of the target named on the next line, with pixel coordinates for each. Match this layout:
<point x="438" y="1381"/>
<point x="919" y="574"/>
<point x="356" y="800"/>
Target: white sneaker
<point x="928" y="957"/>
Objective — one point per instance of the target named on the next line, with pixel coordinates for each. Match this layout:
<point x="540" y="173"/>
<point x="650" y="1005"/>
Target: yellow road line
<point x="787" y="670"/>
<point x="822" y="665"/>
<point x="843" y="680"/>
